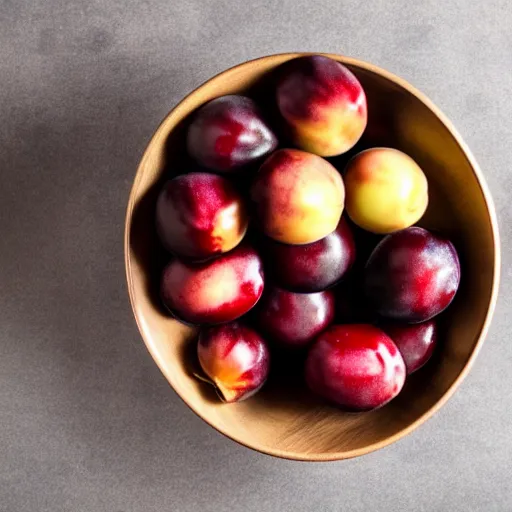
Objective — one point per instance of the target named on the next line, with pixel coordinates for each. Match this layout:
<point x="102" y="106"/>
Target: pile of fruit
<point x="270" y="263"/>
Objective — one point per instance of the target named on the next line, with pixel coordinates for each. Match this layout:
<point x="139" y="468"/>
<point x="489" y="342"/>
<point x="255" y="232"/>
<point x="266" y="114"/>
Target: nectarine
<point x="199" y="215"/>
<point x="214" y="292"/>
<point x="323" y="104"/>
<point x="235" y="358"/>
<point x="298" y="197"/>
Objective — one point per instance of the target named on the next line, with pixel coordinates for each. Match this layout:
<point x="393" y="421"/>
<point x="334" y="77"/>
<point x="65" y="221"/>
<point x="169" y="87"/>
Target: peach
<point x="200" y="215"/>
<point x="298" y="197"/>
<point x="386" y="190"/>
<point x="213" y="292"/>
<point x="323" y="104"/>
<point x="235" y="359"/>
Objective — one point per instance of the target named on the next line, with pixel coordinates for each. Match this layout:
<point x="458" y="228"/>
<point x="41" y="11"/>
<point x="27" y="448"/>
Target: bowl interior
<point x="284" y="419"/>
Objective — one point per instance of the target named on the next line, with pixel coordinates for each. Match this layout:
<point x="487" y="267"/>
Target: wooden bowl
<point x="284" y="420"/>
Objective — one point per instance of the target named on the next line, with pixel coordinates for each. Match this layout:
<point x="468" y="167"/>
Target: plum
<point x="322" y="103"/>
<point x="311" y="267"/>
<point x="386" y="190"/>
<point x="412" y="275"/>
<point x="200" y="215"/>
<point x="298" y="197"/>
<point x="355" y="366"/>
<point x="294" y="319"/>
<point x="235" y="359"/>
<point x="416" y="342"/>
<point x="228" y="133"/>
<point x="213" y="292"/>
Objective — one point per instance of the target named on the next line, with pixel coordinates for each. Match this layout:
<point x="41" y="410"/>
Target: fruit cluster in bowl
<point x="269" y="240"/>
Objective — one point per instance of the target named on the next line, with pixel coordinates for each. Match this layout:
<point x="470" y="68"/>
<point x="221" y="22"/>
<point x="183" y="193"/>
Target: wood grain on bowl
<point x="284" y="419"/>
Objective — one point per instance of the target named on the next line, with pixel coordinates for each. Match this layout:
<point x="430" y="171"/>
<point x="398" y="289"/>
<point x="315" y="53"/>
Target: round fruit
<point x="386" y="190"/>
<point x="415" y="342"/>
<point x="229" y="132"/>
<point x="235" y="358"/>
<point x="311" y="267"/>
<point x="356" y="366"/>
<point x="213" y="292"/>
<point x="294" y="319"/>
<point x="412" y="275"/>
<point x="298" y="197"/>
<point x="323" y="104"/>
<point x="200" y="215"/>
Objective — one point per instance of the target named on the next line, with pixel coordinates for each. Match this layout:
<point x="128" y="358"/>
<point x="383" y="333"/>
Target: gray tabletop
<point x="87" y="422"/>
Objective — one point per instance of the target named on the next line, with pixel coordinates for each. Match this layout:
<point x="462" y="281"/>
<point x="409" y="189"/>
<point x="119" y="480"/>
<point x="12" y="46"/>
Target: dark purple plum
<point x="216" y="291"/>
<point x="416" y="342"/>
<point x="412" y="275"/>
<point x="294" y="319"/>
<point x="311" y="267"/>
<point x="228" y="133"/>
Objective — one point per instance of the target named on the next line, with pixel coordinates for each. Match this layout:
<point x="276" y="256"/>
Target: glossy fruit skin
<point x="228" y="133"/>
<point x="200" y="215"/>
<point x="355" y="366"/>
<point x="416" y="342"/>
<point x="311" y="267"/>
<point x="323" y="104"/>
<point x="235" y="358"/>
<point x="412" y="275"/>
<point x="298" y="197"/>
<point x="214" y="292"/>
<point x="294" y="319"/>
<point x="386" y="190"/>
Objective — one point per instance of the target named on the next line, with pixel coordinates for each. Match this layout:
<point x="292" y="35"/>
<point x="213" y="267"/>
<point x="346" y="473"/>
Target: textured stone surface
<point x="87" y="422"/>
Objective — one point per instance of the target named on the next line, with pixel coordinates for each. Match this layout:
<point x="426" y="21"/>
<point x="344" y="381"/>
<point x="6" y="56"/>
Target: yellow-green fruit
<point x="385" y="189"/>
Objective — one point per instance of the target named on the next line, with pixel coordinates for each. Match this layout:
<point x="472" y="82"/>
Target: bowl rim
<point x="176" y="111"/>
